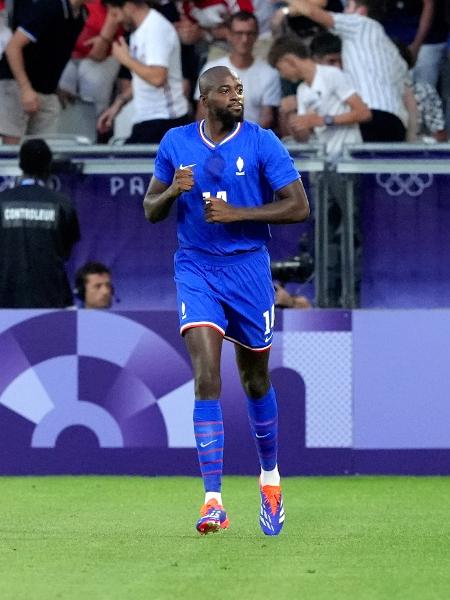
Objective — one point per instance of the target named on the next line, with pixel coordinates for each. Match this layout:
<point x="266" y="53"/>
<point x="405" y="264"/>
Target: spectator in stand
<point x="38" y="229"/>
<point x="326" y="49"/>
<point x="154" y="59"/>
<point x="5" y="31"/>
<point x="32" y="64"/>
<point x="428" y="119"/>
<point x="92" y="71"/>
<point x="212" y="15"/>
<point x="260" y="80"/>
<point x="423" y="26"/>
<point x="408" y="22"/>
<point x="371" y="59"/>
<point x="328" y="106"/>
<point x="283" y="23"/>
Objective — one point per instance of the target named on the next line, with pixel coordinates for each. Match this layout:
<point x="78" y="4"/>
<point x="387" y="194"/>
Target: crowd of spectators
<point x="393" y="59"/>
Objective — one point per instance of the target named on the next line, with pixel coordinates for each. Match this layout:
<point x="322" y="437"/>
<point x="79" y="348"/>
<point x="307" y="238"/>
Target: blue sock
<point x="263" y="417"/>
<point x="208" y="429"/>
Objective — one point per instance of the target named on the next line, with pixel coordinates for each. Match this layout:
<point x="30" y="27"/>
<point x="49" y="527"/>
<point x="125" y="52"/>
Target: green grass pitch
<point x="120" y="538"/>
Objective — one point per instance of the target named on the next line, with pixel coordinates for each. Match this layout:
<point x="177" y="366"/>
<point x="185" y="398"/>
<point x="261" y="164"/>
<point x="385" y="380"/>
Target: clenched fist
<point x="183" y="180"/>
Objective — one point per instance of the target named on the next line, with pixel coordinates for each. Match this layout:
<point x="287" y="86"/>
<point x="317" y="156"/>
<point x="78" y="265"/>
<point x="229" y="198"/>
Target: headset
<point x="90" y="268"/>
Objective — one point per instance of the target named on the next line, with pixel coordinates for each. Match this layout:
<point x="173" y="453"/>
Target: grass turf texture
<point x="133" y="538"/>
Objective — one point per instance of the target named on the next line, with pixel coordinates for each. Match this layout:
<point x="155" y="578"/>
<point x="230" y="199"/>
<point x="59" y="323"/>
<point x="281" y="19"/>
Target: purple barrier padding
<point x="75" y="406"/>
<point x="405" y="220"/>
<point x="115" y="232"/>
<point x="327" y="320"/>
<point x="401" y="379"/>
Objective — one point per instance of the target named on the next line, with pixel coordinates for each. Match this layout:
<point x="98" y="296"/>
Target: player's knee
<point x="207" y="384"/>
<point x="255" y="386"/>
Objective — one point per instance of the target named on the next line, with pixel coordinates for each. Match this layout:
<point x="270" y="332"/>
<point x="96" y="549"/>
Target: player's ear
<point x="203" y="100"/>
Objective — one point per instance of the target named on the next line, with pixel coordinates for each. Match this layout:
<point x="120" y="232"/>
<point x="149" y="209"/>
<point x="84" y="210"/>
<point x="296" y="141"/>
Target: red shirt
<point x="92" y="27"/>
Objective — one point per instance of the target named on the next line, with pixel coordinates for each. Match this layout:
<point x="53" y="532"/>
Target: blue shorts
<point x="233" y="294"/>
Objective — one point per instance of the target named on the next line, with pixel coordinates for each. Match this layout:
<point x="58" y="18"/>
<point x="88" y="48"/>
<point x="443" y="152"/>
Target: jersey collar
<point x="211" y="144"/>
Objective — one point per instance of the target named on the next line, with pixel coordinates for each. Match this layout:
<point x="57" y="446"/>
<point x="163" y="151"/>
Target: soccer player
<point x="223" y="172"/>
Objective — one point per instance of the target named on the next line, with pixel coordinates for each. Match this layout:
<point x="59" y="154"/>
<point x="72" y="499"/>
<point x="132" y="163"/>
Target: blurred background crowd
<point x="115" y="70"/>
<point x="333" y="72"/>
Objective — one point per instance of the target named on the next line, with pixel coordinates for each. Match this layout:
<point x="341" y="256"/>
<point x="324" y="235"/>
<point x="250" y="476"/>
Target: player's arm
<point x="291" y="206"/>
<point x="159" y="197"/>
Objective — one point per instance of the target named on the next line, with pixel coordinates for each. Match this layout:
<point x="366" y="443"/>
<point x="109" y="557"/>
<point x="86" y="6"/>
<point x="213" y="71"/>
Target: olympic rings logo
<point x="411" y="184"/>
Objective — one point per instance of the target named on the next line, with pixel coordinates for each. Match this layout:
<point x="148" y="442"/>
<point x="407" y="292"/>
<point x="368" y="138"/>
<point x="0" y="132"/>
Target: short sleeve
<point x="276" y="162"/>
<point x="164" y="169"/>
<point x="346" y="25"/>
<point x="342" y="84"/>
<point x="42" y="17"/>
<point x="159" y="47"/>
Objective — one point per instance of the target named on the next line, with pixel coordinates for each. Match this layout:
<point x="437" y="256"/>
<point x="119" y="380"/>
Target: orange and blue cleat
<point x="271" y="517"/>
<point x="213" y="517"/>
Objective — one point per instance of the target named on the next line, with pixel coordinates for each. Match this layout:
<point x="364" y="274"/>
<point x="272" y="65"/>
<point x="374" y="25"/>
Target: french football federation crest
<point x="240" y="166"/>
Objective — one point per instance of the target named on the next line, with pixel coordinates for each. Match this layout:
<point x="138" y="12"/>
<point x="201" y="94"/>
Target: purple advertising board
<point x="140" y="254"/>
<point x="112" y="392"/>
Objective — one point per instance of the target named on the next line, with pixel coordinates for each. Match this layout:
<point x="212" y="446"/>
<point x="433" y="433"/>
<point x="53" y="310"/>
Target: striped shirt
<point x="373" y="63"/>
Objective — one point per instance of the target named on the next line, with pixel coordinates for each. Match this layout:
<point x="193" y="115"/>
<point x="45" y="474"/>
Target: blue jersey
<point x="245" y="169"/>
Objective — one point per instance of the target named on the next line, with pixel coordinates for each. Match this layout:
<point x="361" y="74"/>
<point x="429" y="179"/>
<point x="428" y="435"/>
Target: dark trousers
<point x="384" y="127"/>
<point x="152" y="132"/>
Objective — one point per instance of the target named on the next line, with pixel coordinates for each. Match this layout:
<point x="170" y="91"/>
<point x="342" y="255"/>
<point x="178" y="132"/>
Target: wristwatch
<point x="328" y="120"/>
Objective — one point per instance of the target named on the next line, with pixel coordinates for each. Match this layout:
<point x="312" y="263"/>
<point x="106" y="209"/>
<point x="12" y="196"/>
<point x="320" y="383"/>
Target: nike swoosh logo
<point x="186" y="166"/>
<point x="268" y="338"/>
<point x="262" y="436"/>
<point x="204" y="444"/>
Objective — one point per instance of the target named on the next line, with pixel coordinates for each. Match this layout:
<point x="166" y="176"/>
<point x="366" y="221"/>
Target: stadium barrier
<point x="399" y="193"/>
<point x="111" y="392"/>
<point x="360" y="391"/>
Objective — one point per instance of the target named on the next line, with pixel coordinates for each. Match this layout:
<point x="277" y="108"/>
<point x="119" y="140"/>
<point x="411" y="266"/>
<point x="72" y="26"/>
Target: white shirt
<point x="373" y="63"/>
<point x="327" y="95"/>
<point x="155" y="43"/>
<point x="5" y="33"/>
<point x="261" y="85"/>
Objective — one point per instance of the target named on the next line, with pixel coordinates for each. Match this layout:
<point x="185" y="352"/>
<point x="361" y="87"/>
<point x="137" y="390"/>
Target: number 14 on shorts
<point x="269" y="320"/>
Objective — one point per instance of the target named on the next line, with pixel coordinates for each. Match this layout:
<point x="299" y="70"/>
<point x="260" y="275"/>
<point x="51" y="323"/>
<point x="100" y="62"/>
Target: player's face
<point x="226" y="100"/>
<point x="242" y="36"/>
<point x="98" y="290"/>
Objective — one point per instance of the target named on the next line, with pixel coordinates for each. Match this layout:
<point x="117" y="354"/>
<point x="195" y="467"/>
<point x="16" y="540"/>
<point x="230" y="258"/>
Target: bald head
<point x="213" y="78"/>
<point x="222" y="96"/>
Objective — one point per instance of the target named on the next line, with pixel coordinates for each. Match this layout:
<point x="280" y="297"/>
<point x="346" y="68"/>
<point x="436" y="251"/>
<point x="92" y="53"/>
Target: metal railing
<point x="309" y="158"/>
